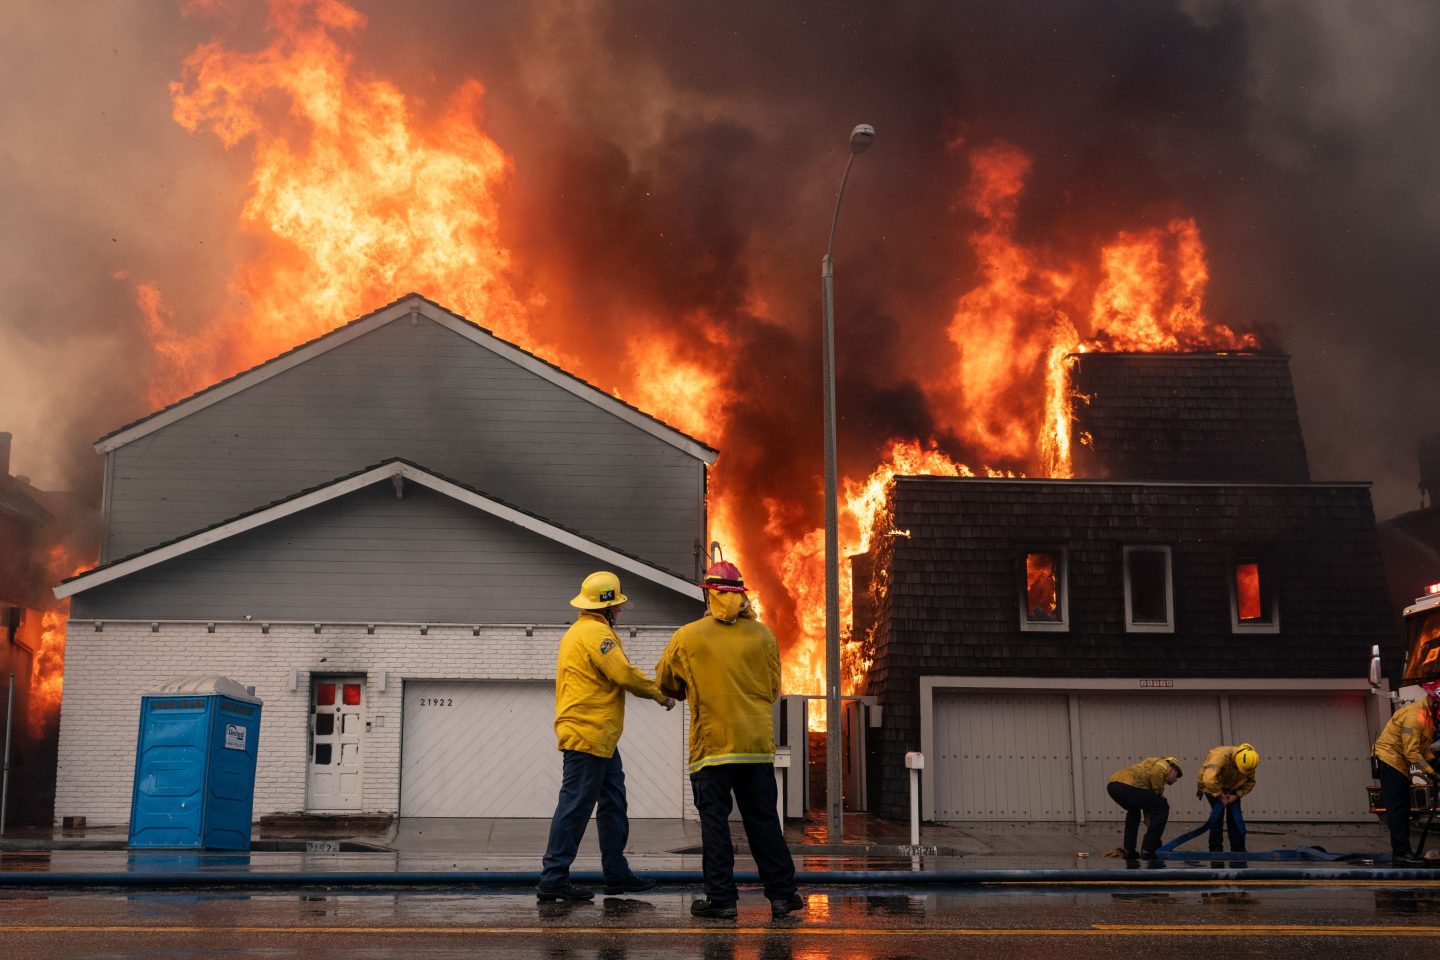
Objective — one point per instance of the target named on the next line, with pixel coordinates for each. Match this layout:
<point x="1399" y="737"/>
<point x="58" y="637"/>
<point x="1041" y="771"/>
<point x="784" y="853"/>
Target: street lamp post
<point x="860" y="140"/>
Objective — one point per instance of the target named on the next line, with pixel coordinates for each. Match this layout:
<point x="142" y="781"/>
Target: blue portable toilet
<point x="195" y="765"/>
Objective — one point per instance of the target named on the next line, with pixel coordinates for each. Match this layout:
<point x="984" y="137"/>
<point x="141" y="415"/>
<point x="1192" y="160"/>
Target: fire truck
<point x="1422" y="634"/>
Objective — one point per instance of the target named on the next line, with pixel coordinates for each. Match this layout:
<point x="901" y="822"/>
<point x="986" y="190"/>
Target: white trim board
<point x="411" y="305"/>
<point x="393" y="468"/>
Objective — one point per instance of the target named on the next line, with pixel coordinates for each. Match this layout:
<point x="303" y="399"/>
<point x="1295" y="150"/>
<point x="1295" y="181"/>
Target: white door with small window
<point x="337" y="731"/>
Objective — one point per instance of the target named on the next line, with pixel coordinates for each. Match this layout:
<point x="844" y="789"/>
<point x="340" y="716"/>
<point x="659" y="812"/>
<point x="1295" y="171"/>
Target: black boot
<point x="713" y="909"/>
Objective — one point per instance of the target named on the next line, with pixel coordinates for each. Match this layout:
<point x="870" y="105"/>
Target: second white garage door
<point x="487" y="749"/>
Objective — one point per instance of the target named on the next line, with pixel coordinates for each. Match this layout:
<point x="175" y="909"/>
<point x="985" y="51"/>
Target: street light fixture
<point x="860" y="139"/>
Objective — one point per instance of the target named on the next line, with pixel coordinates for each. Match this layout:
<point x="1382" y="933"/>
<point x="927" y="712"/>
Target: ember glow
<point x="357" y="196"/>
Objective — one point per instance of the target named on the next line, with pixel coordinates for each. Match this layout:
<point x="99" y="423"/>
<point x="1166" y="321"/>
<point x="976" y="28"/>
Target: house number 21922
<point x="437" y="701"/>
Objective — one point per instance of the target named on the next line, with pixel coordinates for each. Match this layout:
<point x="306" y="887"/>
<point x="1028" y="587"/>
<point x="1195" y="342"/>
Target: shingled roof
<point x="1186" y="417"/>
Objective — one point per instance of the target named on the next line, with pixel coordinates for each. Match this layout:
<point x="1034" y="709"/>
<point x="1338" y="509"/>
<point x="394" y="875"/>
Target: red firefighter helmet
<point x="1432" y="687"/>
<point x="724" y="577"/>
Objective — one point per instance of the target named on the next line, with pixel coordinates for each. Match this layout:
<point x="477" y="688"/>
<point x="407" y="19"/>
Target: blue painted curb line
<point x="459" y="878"/>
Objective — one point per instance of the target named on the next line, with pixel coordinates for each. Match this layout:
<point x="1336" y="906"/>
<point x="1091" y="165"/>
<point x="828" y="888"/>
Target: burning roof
<point x="1188" y="417"/>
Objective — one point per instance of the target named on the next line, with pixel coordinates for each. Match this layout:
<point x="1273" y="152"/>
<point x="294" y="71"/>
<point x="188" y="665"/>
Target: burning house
<point x="379" y="531"/>
<point x="1190" y="586"/>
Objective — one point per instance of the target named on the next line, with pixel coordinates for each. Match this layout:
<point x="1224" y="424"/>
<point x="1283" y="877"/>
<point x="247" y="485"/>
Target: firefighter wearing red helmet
<point x="727" y="665"/>
<point x="1404" y="743"/>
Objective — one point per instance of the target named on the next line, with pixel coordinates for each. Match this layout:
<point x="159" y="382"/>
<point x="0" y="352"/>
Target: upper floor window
<point x="1044" y="604"/>
<point x="1149" y="592"/>
<point x="1253" y="604"/>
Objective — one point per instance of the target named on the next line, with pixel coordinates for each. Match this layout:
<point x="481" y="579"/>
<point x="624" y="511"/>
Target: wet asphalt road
<point x="1333" y="922"/>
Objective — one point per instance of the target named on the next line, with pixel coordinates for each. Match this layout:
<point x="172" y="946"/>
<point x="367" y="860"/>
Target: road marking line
<point x="1415" y="884"/>
<point x="1098" y="930"/>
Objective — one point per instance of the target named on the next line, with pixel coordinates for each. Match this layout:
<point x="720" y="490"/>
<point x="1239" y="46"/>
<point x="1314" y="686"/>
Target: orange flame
<point x="802" y="569"/>
<point x="356" y="200"/>
<point x="44" y="635"/>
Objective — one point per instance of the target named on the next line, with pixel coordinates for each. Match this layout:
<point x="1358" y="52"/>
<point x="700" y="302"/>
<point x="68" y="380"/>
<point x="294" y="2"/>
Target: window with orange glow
<point x="1247" y="592"/>
<point x="1253" y="608"/>
<point x="1042" y="590"/>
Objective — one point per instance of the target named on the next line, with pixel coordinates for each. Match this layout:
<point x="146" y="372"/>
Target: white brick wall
<point x="107" y="671"/>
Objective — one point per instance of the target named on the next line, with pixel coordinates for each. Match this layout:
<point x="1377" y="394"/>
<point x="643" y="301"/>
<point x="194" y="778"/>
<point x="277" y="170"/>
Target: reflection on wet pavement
<point x="881" y="923"/>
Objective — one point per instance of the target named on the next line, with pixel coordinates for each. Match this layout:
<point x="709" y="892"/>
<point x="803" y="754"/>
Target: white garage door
<point x="1314" y="756"/>
<point x="1007" y="756"/>
<point x="1002" y="757"/>
<point x="1117" y="729"/>
<point x="487" y="749"/>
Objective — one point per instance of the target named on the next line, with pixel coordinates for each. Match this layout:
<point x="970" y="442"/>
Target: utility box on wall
<point x="195" y="766"/>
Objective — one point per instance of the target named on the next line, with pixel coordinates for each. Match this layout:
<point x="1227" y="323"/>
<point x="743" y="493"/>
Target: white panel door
<point x="1002" y="756"/>
<point x="1118" y="729"/>
<point x="1314" y="755"/>
<point x="337" y="732"/>
<point x="487" y="749"/>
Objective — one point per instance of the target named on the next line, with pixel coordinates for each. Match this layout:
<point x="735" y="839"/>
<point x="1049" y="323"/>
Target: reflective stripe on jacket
<point x="1148" y="774"/>
<point x="1407" y="737"/>
<point x="730" y="674"/>
<point x="1218" y="774"/>
<point x="591" y="677"/>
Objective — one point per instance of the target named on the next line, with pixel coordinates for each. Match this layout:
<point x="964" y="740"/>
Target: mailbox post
<point x="915" y="762"/>
<point x="782" y="764"/>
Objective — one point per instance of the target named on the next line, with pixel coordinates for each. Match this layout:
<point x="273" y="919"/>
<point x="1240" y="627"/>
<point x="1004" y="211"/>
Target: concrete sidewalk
<point x="515" y="846"/>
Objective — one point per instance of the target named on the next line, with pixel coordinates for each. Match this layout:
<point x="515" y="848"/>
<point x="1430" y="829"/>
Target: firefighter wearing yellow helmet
<point x="1139" y="789"/>
<point x="727" y="666"/>
<point x="592" y="676"/>
<point x="1227" y="774"/>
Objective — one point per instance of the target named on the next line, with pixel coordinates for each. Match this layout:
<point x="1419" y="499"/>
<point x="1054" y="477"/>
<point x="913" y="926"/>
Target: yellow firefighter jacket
<point x="1148" y="774"/>
<point x="1218" y="774"/>
<point x="1407" y="737"/>
<point x="591" y="677"/>
<point x="730" y="674"/>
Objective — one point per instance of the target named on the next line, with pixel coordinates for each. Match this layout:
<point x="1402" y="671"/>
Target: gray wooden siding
<point x="427" y="394"/>
<point x="366" y="557"/>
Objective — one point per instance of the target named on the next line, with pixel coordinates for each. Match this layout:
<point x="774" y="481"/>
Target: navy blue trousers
<point x="753" y="787"/>
<point x="1136" y="802"/>
<point x="588" y="780"/>
<point x="1395" y="794"/>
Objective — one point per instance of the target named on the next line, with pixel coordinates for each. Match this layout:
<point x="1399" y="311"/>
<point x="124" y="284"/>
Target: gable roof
<point x="412" y="304"/>
<point x="388" y="469"/>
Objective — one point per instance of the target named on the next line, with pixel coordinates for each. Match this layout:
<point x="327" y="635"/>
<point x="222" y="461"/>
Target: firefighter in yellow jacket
<point x="727" y="665"/>
<point x="592" y="676"/>
<point x="1227" y="775"/>
<point x="1140" y="790"/>
<point x="1404" y="743"/>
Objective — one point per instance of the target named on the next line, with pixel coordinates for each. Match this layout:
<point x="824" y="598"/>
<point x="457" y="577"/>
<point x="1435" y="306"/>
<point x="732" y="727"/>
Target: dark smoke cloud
<point x="676" y="161"/>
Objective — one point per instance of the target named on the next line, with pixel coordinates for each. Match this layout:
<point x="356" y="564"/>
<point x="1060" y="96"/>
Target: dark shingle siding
<point x="1186" y="417"/>
<point x="952" y="608"/>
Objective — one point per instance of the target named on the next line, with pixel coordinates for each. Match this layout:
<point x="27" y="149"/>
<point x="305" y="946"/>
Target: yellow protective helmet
<point x="600" y="590"/>
<point x="1246" y="759"/>
<point x="1176" y="764"/>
